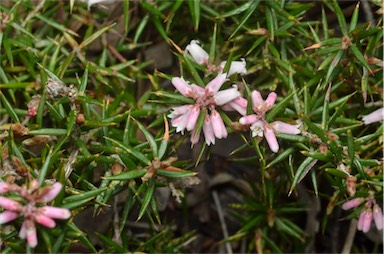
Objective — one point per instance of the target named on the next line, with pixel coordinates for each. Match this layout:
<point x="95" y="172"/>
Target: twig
<point x="222" y="220"/>
<point x="351" y="235"/>
<point x="116" y="53"/>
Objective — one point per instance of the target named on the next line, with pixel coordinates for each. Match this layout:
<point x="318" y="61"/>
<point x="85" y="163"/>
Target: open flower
<point x="32" y="213"/>
<point x="260" y="127"/>
<point x="206" y="100"/>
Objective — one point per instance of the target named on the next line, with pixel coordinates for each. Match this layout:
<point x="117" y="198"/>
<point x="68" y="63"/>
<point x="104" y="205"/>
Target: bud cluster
<point x="29" y="208"/>
<point x="367" y="213"/>
<point x="208" y="99"/>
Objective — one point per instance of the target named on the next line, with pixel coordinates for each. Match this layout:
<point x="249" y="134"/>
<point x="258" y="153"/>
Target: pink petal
<point x="378" y="217"/>
<point x="183" y="87"/>
<point x="23" y="230"/>
<point x="257" y="100"/>
<point x="31" y="235"/>
<point x="8" y="216"/>
<point x="28" y="230"/>
<point x="192" y="118"/>
<point x="44" y="220"/>
<point x="249" y="119"/>
<point x="375" y="116"/>
<point x="271" y="139"/>
<point x="215" y="84"/>
<point x="10" y="204"/>
<point x="227" y="95"/>
<point x="55" y="212"/>
<point x="352" y="203"/>
<point x="285" y="127"/>
<point x="218" y="125"/>
<point x="208" y="131"/>
<point x="270" y="101"/>
<point x="51" y="194"/>
<point x="198" y="53"/>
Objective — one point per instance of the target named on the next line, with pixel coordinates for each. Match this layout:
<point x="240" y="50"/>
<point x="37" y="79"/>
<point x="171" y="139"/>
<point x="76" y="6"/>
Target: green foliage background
<point x="326" y="70"/>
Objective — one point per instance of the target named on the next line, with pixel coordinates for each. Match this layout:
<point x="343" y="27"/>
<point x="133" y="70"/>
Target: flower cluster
<point x="367" y="213"/>
<point x="33" y="213"/>
<point x="206" y="100"/>
<point x="209" y="98"/>
<point x="260" y="127"/>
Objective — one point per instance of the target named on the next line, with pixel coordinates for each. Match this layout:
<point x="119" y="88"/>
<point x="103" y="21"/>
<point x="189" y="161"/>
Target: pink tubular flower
<point x="285" y="128"/>
<point x="55" y="212"/>
<point x="378" y="217"/>
<point x="236" y="67"/>
<point x="249" y="119"/>
<point x="215" y="84"/>
<point x="239" y="104"/>
<point x="197" y="52"/>
<point x="44" y="220"/>
<point x="206" y="100"/>
<point x="32" y="213"/>
<point x="208" y="131"/>
<point x="271" y="138"/>
<point x="352" y="203"/>
<point x="10" y="204"/>
<point x="192" y="118"/>
<point x="50" y="194"/>
<point x="375" y="116"/>
<point x="183" y="87"/>
<point x="8" y="216"/>
<point x="365" y="220"/>
<point x="226" y="96"/>
<point x="218" y="125"/>
<point x="28" y="231"/>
